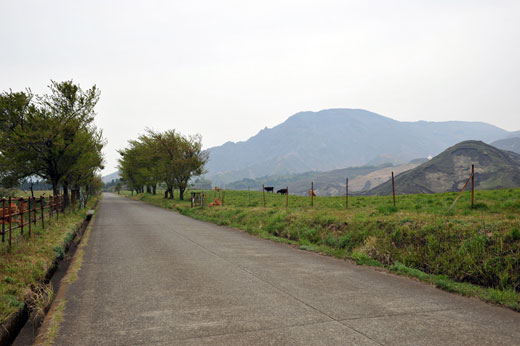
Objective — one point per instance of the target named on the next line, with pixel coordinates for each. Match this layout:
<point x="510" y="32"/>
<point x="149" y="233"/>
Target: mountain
<point x="336" y="138"/>
<point x="449" y="171"/>
<point x="113" y="176"/>
<point x="511" y="144"/>
<point x="331" y="183"/>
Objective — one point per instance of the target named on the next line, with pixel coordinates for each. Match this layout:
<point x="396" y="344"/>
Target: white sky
<point x="226" y="69"/>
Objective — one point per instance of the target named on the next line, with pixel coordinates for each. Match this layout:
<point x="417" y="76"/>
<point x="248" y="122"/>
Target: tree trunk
<point x="181" y="193"/>
<point x="65" y="195"/>
<point x="148" y="189"/>
<point x="154" y="189"/>
<point x="55" y="188"/>
<point x="170" y="191"/>
<point x="32" y="191"/>
<point x="166" y="194"/>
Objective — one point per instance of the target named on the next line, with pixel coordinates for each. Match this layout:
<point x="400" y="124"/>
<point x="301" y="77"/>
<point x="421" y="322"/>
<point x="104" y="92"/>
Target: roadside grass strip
<point x="23" y="268"/>
<point x="50" y="328"/>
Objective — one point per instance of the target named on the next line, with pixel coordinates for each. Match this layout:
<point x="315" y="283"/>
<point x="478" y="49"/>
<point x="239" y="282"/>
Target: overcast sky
<point x="226" y="69"/>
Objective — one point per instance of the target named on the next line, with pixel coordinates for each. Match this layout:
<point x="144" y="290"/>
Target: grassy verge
<point x="23" y="268"/>
<point x="471" y="251"/>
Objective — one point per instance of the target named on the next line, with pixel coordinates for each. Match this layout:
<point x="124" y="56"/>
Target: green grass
<point x="23" y="267"/>
<point x="472" y="251"/>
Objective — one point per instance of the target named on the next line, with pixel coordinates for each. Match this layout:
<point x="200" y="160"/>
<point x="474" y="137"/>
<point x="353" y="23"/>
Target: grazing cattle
<point x="217" y="189"/>
<point x="282" y="191"/>
<point x="311" y="193"/>
<point x="269" y="188"/>
<point x="215" y="203"/>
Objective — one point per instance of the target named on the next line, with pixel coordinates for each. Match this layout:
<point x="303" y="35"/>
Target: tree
<point x="162" y="156"/>
<point x="181" y="158"/>
<point x="53" y="138"/>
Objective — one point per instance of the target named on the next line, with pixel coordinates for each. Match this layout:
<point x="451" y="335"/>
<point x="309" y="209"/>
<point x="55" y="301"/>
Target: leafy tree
<point x="162" y="156"/>
<point x="53" y="138"/>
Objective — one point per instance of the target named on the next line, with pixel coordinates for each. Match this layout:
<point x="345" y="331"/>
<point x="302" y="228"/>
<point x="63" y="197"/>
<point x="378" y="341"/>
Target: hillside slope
<point x="511" y="144"/>
<point x="448" y="171"/>
<point x="336" y="138"/>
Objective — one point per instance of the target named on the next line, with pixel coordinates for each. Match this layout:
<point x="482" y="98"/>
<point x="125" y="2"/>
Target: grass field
<point x="472" y="251"/>
<point x="23" y="267"/>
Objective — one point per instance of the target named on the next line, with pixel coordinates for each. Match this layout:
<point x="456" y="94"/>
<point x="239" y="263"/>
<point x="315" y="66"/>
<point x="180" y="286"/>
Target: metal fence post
<point x="346" y="194"/>
<point x="312" y="194"/>
<point x="3" y="220"/>
<point x="472" y="186"/>
<point x="21" y="213"/>
<point x="393" y="187"/>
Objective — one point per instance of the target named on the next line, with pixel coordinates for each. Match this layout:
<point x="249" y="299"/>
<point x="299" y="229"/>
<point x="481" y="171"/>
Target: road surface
<point x="153" y="277"/>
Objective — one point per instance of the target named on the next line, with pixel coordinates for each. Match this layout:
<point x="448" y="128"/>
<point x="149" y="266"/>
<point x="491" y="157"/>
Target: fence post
<point x="393" y="187"/>
<point x="287" y="198"/>
<point x="263" y="191"/>
<point x="10" y="222"/>
<point x="29" y="214"/>
<point x="42" y="208"/>
<point x="35" y="215"/>
<point x="472" y="186"/>
<point x="346" y="194"/>
<point x="3" y="220"/>
<point x="312" y="193"/>
<point x="21" y="213"/>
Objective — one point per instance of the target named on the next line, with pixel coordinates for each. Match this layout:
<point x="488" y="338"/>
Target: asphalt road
<point x="153" y="277"/>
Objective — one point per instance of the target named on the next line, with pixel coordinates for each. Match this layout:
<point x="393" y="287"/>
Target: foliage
<point x="50" y="136"/>
<point x="167" y="157"/>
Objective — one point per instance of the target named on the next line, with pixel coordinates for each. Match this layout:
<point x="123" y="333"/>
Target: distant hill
<point x="336" y="138"/>
<point x="113" y="176"/>
<point x="448" y="171"/>
<point x="511" y="144"/>
<point x="330" y="183"/>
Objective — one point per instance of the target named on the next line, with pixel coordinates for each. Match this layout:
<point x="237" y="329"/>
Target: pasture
<point x="473" y="251"/>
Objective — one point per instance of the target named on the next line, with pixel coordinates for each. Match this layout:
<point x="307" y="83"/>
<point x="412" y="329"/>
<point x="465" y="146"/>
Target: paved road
<point x="154" y="277"/>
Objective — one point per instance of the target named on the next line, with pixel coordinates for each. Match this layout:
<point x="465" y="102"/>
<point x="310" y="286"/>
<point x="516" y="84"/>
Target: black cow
<point x="269" y="188"/>
<point x="282" y="191"/>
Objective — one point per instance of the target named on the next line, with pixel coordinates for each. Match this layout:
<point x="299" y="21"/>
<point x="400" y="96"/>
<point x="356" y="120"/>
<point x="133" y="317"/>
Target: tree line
<point x="51" y="137"/>
<point x="168" y="158"/>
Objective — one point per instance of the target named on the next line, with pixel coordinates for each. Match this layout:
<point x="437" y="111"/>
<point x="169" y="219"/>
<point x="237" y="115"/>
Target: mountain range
<point x="338" y="138"/>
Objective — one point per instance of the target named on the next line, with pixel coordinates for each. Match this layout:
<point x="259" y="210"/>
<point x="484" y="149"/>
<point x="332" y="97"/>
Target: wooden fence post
<point x="393" y="187"/>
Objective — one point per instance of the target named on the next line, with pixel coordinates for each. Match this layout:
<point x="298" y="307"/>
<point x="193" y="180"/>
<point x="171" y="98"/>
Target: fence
<point x="24" y="212"/>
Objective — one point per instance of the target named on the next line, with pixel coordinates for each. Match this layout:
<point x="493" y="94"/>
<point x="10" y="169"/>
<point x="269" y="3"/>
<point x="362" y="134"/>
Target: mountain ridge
<point x="448" y="171"/>
<point x="337" y="138"/>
